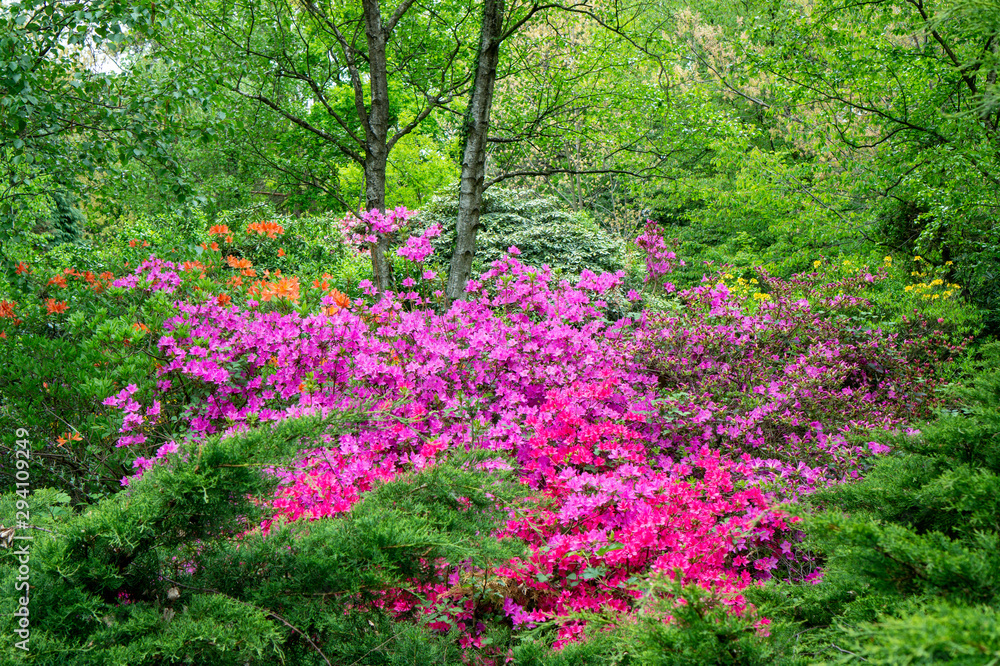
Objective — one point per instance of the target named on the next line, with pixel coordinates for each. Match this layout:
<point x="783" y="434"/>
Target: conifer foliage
<point x="167" y="572"/>
<point x="913" y="551"/>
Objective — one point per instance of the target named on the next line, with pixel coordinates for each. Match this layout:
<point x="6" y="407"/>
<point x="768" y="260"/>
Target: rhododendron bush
<point x="663" y="444"/>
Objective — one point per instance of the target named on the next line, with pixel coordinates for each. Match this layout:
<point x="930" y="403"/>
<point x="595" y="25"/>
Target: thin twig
<point x="848" y="652"/>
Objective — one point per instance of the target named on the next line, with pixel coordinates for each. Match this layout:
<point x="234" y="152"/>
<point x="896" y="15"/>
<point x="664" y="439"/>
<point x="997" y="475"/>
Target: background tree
<point x="66" y="113"/>
<point x="355" y="79"/>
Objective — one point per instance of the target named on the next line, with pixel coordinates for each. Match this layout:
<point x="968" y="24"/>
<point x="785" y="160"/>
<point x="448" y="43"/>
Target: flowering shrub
<point x="658" y="445"/>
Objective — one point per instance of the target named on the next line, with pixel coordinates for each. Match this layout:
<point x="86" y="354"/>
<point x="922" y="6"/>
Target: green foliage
<point x="174" y="570"/>
<point x="912" y="552"/>
<point x="62" y="118"/>
<point x="539" y="227"/>
<point x="67" y="220"/>
<point x="56" y="368"/>
<point x="680" y="625"/>
<point x="308" y="245"/>
<point x="937" y="634"/>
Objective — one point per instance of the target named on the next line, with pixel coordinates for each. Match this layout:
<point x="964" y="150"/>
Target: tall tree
<point x="565" y="109"/>
<point x="477" y="122"/>
<point x="339" y="72"/>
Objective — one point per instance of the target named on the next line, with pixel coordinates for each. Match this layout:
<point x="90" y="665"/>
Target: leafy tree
<point x="342" y="75"/>
<point x="65" y="111"/>
<point x="885" y="110"/>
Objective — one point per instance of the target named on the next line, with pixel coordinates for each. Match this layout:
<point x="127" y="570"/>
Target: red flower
<point x="54" y="306"/>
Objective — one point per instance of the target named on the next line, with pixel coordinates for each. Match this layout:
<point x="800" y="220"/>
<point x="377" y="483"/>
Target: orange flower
<point x="132" y="243"/>
<point x="145" y="243"/>
<point x="272" y="229"/>
<point x="142" y="328"/>
<point x="223" y="299"/>
<point x="58" y="280"/>
<point x="69" y="437"/>
<point x="281" y="252"/>
<point x="54" y="306"/>
<point x="219" y="230"/>
<point x="7" y="309"/>
<point x="22" y="268"/>
<point x="107" y="275"/>
<point x="236" y="281"/>
<point x="340" y="301"/>
<point x="236" y="262"/>
<point x="287" y="288"/>
<point x="229" y="238"/>
<point x="193" y="266"/>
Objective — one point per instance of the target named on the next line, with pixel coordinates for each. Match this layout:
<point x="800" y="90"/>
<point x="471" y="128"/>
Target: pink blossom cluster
<point x="365" y="230"/>
<point x="659" y="260"/>
<point x="153" y="274"/>
<point x="418" y="246"/>
<point x="662" y="444"/>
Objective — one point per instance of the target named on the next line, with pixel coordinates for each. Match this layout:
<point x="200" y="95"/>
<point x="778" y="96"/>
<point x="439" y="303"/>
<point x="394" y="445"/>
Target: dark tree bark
<point x="470" y="197"/>
<point x="376" y="134"/>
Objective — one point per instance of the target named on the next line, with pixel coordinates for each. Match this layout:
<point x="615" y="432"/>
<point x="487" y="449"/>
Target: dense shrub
<point x="653" y="449"/>
<point x="540" y="227"/>
<point x="166" y="571"/>
<point x="910" y="551"/>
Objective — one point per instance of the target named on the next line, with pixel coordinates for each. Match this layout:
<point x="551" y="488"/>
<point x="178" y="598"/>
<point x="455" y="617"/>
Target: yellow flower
<point x="817" y="263"/>
<point x="918" y="258"/>
<point x="948" y="263"/>
<point x="761" y="296"/>
<point x="847" y="262"/>
<point x="887" y="259"/>
<point x="937" y="281"/>
<point x="908" y="287"/>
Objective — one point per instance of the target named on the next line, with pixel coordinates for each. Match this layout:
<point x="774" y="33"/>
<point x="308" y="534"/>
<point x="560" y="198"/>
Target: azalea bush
<point x="77" y="325"/>
<point x="655" y="447"/>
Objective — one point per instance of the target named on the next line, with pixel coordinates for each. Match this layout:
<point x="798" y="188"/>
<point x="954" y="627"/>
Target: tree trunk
<point x="376" y="134"/>
<point x="477" y="120"/>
